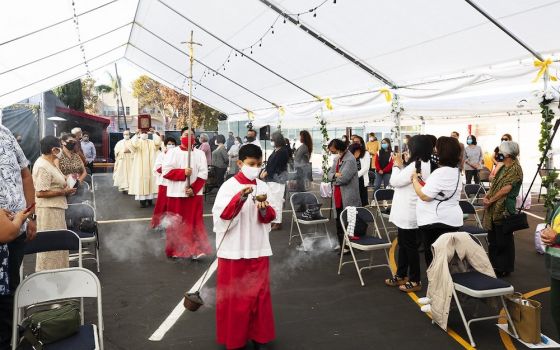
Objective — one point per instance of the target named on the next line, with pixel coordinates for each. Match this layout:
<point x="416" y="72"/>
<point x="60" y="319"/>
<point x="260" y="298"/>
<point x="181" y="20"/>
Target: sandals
<point x="396" y="281"/>
<point x="410" y="287"/>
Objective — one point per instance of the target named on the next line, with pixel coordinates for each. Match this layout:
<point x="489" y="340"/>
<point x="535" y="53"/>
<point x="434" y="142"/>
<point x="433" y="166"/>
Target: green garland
<point x="548" y="181"/>
<point x="325" y="162"/>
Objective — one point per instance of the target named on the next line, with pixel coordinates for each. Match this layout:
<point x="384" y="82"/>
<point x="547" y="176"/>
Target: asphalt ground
<point x="314" y="307"/>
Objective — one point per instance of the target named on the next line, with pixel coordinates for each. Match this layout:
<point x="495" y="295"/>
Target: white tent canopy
<point x="424" y="48"/>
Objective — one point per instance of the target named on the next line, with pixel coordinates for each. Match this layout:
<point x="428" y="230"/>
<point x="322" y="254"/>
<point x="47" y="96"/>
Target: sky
<point x="127" y="71"/>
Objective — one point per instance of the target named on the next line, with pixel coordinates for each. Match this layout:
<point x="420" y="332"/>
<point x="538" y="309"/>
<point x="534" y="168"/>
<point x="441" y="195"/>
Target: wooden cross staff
<point x="191" y="44"/>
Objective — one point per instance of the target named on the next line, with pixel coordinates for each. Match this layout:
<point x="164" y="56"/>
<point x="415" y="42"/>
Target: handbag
<point x="514" y="222"/>
<point x="526" y="316"/>
<point x="49" y="326"/>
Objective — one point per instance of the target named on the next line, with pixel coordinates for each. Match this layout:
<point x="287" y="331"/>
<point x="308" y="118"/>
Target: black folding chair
<point x="75" y="214"/>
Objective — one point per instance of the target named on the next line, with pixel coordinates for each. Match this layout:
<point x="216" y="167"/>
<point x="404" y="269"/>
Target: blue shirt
<point x="89" y="151"/>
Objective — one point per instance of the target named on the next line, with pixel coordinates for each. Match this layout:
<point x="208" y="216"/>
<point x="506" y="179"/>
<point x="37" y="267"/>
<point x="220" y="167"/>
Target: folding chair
<point x="298" y="201"/>
<point x="53" y="240"/>
<point x="475" y="193"/>
<point x="83" y="194"/>
<point x="55" y="285"/>
<point x="475" y="230"/>
<point x="383" y="195"/>
<point x="75" y="213"/>
<point x="89" y="179"/>
<point x="365" y="243"/>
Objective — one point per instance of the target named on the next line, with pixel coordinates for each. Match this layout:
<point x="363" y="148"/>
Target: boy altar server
<point x="243" y="304"/>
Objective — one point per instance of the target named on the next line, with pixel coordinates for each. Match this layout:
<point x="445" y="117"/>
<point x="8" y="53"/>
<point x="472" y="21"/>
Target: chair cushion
<point x="478" y="281"/>
<point x="85" y="234"/>
<point x="473" y="230"/>
<point x="369" y="240"/>
<point x="83" y="340"/>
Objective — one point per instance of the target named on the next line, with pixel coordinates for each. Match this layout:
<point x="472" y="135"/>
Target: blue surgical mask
<point x="469" y="141"/>
<point x="384" y="146"/>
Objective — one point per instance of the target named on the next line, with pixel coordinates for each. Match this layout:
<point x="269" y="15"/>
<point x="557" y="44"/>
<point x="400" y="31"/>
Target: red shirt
<point x="337" y="193"/>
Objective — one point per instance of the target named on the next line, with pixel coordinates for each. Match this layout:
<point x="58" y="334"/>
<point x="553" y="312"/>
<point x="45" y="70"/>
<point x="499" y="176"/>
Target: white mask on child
<point x="250" y="172"/>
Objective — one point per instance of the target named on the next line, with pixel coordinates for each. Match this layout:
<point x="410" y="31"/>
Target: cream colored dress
<point x="122" y="173"/>
<point x="143" y="181"/>
<point x="50" y="211"/>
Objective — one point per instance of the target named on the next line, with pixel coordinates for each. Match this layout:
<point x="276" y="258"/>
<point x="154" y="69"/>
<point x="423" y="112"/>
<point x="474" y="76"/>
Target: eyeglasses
<point x="505" y="140"/>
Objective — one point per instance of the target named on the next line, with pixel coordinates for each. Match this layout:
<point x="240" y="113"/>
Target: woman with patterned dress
<point x="50" y="205"/>
<point x="70" y="163"/>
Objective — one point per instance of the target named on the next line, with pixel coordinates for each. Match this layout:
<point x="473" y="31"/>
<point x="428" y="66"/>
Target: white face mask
<point x="272" y="143"/>
<point x="127" y="137"/>
<point x="250" y="172"/>
<point x="236" y="142"/>
<point x="170" y="146"/>
<point x="144" y="136"/>
<point x="59" y="154"/>
<point x="216" y="143"/>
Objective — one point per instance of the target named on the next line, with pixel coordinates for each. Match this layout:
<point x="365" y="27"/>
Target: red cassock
<point x="161" y="204"/>
<point x="187" y="236"/>
<point x="243" y="302"/>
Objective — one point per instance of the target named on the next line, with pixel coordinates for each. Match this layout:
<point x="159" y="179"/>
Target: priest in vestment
<point x="143" y="185"/>
<point x="187" y="237"/>
<point x="122" y="174"/>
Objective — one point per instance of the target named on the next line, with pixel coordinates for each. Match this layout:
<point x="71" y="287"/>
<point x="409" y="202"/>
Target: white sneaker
<point x="426" y="308"/>
<point x="424" y="301"/>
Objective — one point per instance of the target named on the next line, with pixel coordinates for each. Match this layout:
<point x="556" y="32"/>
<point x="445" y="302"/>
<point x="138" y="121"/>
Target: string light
<point x="270" y="30"/>
<point x="81" y="45"/>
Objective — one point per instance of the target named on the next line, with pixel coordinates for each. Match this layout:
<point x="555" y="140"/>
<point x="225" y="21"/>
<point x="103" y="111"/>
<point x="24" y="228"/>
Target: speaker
<point x="264" y="133"/>
<point x="114" y="137"/>
<point x="222" y="117"/>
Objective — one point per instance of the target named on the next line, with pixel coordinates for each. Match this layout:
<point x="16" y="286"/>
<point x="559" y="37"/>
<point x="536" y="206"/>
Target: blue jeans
<point x="381" y="178"/>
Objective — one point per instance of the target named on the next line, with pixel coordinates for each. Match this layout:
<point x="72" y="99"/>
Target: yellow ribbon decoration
<point x="387" y="93"/>
<point x="543" y="68"/>
<point x="328" y="104"/>
<point x="251" y="115"/>
<point x="282" y="111"/>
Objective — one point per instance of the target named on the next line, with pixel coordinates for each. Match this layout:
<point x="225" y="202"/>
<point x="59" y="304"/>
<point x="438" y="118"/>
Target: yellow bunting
<point x="543" y="68"/>
<point x="251" y="115"/>
<point x="282" y="111"/>
<point x="387" y="93"/>
<point x="328" y="104"/>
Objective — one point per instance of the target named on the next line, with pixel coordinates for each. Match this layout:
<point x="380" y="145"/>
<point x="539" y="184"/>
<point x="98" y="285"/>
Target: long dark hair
<point x="388" y="142"/>
<point x="307" y="140"/>
<point x="420" y="147"/>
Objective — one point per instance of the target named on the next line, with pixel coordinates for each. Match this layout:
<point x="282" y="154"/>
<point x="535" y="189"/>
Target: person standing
<point x="344" y="175"/>
<point x="161" y="202"/>
<point x="16" y="193"/>
<point x="143" y="185"/>
<point x="220" y="160"/>
<point x="124" y="158"/>
<point x="77" y="132"/>
<point x="455" y="135"/>
<point x="50" y="191"/>
<point x="89" y="151"/>
<point x="499" y="203"/>
<point x="186" y="238"/>
<point x="276" y="175"/>
<point x="243" y="304"/>
<point x="302" y="158"/>
<point x="230" y="141"/>
<point x="233" y="155"/>
<point x="383" y="165"/>
<point x="403" y="212"/>
<point x="205" y="148"/>
<point x="438" y="209"/>
<point x="362" y="163"/>
<point x="473" y="160"/>
<point x="550" y="236"/>
<point x="251" y="138"/>
<point x="70" y="163"/>
<point x="372" y="147"/>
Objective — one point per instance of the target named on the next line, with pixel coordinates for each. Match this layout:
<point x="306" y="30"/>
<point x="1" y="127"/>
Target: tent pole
<point x="505" y="30"/>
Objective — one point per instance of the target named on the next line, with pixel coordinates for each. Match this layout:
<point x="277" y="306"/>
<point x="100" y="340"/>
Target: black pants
<point x="501" y="249"/>
<point x="431" y="234"/>
<point x="555" y="302"/>
<point x="220" y="176"/>
<point x="339" y="230"/>
<point x="470" y="174"/>
<point x="408" y="259"/>
<point x="363" y="191"/>
<point x="15" y="259"/>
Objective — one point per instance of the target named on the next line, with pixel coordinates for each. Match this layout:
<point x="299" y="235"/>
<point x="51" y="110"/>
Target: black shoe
<point x="149" y="202"/>
<point x="143" y="204"/>
<point x="259" y="346"/>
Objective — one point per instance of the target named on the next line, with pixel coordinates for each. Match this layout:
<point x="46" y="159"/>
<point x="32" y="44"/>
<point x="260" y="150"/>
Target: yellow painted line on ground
<point x="506" y="339"/>
<point x="414" y="297"/>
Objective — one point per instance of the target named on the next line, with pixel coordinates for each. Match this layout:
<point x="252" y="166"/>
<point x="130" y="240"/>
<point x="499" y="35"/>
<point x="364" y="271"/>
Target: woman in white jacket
<point x="403" y="212"/>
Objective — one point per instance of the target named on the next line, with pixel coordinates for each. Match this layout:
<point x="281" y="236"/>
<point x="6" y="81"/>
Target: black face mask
<point x="250" y="139"/>
<point x="70" y="146"/>
<point x="434" y="158"/>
